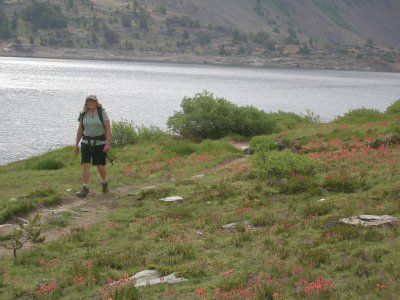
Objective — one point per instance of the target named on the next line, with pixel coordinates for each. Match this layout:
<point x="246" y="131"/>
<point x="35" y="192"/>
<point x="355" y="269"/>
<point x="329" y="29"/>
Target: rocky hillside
<point x="343" y="34"/>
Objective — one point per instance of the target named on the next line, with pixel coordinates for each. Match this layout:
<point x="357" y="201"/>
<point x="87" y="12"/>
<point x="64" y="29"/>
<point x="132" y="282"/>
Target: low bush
<point x="393" y="108"/>
<point x="282" y="164"/>
<point x="342" y="183"/>
<point x="264" y="142"/>
<point x="150" y="133"/>
<point x="123" y="133"/>
<point x="207" y="117"/>
<point x="361" y="115"/>
<point x="183" y="148"/>
<point x="298" y="184"/>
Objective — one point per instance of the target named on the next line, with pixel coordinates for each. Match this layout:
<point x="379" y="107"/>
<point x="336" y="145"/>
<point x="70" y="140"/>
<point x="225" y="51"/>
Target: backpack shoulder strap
<point x="100" y="113"/>
<point x="80" y="118"/>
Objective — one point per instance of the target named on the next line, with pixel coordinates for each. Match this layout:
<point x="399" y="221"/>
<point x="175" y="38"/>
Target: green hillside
<point x="249" y="227"/>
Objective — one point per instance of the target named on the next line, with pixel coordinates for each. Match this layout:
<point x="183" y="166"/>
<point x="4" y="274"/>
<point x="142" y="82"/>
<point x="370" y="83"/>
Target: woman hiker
<point x="95" y="131"/>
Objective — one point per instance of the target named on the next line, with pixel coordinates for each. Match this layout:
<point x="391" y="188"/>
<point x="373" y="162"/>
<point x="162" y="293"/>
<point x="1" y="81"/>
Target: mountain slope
<point x="350" y="34"/>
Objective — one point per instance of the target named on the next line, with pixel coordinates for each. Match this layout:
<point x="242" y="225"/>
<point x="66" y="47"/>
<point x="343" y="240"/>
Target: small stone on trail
<point x="198" y="176"/>
<point x="12" y="200"/>
<point x="68" y="190"/>
<point x="177" y="199"/>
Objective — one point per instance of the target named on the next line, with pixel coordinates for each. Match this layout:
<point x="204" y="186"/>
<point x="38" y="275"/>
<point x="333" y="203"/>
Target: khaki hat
<point x="91" y="97"/>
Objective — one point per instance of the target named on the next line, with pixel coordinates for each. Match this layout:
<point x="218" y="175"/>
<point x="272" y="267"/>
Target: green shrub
<point x="49" y="164"/>
<point x="250" y="121"/>
<point x="204" y="116"/>
<point x="150" y="133"/>
<point x="393" y="108"/>
<point x="342" y="183"/>
<point x="282" y="164"/>
<point x="123" y="133"/>
<point x="361" y="115"/>
<point x="265" y="142"/>
<point x="183" y="148"/>
<point x="298" y="184"/>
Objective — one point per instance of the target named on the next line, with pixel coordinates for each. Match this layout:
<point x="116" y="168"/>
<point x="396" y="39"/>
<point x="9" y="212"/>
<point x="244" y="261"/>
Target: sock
<point x="105" y="181"/>
<point x="85" y="185"/>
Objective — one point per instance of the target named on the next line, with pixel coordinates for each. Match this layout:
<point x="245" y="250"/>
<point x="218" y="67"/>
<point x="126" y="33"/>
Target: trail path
<point x="89" y="211"/>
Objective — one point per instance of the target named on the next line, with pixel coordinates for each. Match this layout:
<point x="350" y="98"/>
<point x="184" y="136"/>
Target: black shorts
<point x="94" y="155"/>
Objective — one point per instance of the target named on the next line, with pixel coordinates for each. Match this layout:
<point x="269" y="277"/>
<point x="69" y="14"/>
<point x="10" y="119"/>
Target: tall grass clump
<point x="290" y="120"/>
<point x="207" y="117"/>
<point x="123" y="133"/>
<point x="48" y="164"/>
<point x="274" y="164"/>
<point x="361" y="115"/>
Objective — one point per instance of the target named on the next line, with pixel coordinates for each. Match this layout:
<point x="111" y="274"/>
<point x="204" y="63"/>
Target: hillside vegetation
<point x="311" y="33"/>
<point x="286" y="200"/>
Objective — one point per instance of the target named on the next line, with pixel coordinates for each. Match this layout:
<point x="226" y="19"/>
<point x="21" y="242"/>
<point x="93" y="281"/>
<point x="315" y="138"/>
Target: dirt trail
<point x="88" y="211"/>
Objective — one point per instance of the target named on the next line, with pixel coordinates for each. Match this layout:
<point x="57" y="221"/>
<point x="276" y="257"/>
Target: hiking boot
<point x="105" y="187"/>
<point x="84" y="192"/>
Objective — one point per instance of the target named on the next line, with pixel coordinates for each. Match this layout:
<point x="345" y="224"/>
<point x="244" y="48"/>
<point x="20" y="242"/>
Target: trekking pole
<point x="109" y="158"/>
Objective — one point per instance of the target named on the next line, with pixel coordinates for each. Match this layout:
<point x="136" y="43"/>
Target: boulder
<point x="151" y="277"/>
<point x="370" y="220"/>
<point x="387" y="139"/>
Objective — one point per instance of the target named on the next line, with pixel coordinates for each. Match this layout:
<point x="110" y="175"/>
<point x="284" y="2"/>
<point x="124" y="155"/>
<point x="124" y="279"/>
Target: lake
<point x="41" y="98"/>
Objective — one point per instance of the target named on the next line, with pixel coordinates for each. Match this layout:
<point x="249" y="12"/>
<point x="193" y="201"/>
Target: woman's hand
<point x="106" y="148"/>
<point x="77" y="150"/>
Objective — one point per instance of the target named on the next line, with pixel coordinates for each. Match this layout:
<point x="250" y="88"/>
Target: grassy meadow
<point x="303" y="177"/>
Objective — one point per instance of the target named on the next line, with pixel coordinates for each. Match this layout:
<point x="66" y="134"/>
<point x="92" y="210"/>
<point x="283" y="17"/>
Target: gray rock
<point x="248" y="151"/>
<point x="56" y="220"/>
<point x="234" y="226"/>
<point x="6" y="229"/>
<point x="12" y="200"/>
<point x="149" y="188"/>
<point x="370" y="220"/>
<point x="387" y="139"/>
<point x="151" y="277"/>
<point x="177" y="199"/>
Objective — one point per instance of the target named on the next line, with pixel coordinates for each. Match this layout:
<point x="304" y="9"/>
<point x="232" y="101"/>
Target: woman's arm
<point x="79" y="134"/>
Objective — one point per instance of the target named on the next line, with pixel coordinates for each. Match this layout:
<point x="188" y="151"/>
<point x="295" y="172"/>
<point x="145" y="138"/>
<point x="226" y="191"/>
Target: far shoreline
<point x="284" y="63"/>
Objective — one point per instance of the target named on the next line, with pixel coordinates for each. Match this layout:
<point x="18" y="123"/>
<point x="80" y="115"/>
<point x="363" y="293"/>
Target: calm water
<point x="41" y="98"/>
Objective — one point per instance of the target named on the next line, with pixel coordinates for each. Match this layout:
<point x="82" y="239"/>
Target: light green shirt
<point x="93" y="127"/>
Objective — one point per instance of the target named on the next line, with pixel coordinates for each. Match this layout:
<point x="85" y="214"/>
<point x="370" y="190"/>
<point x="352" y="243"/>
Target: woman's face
<point x="91" y="104"/>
